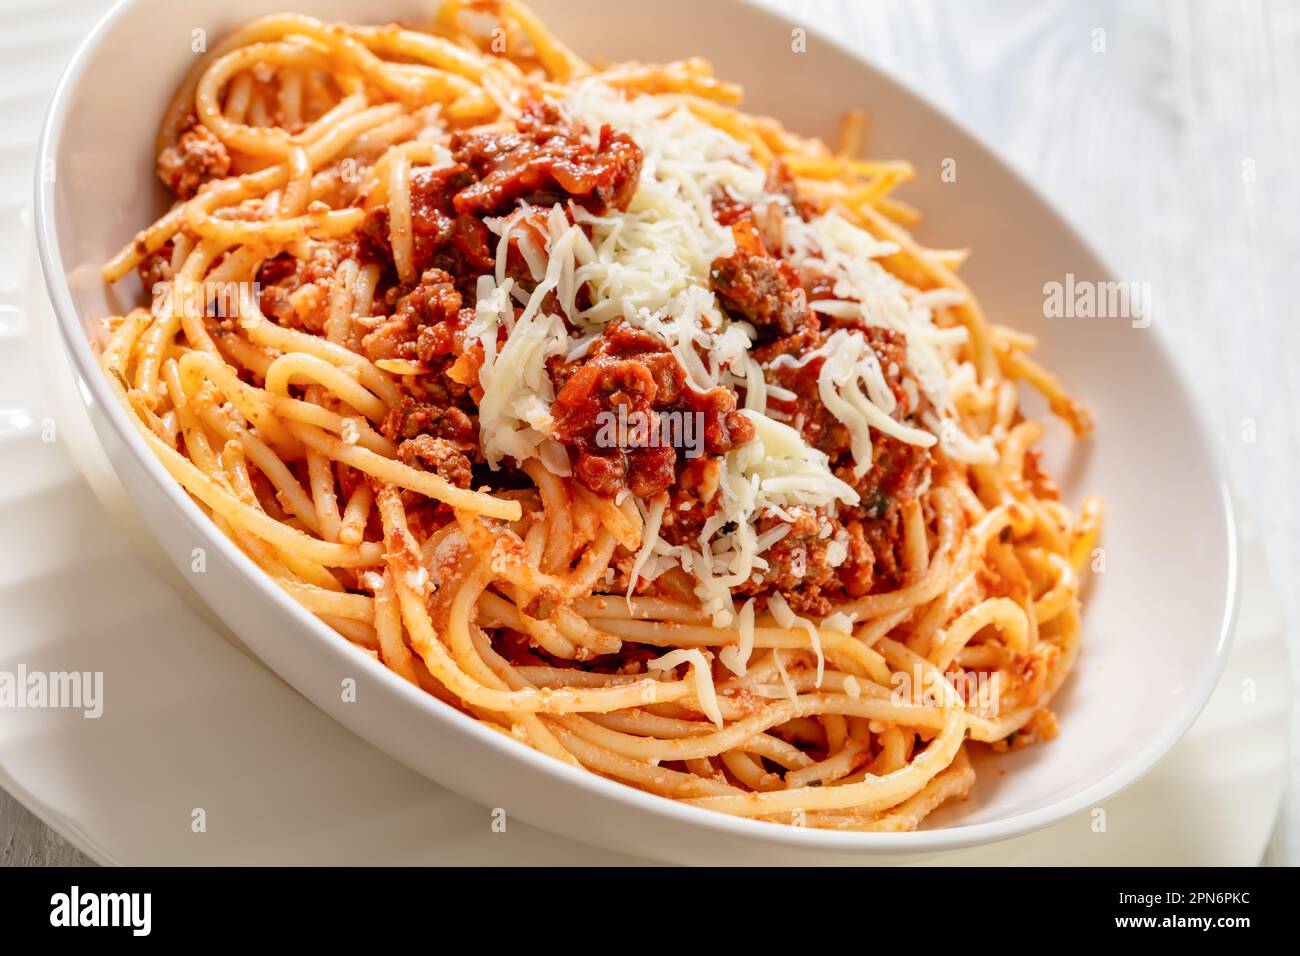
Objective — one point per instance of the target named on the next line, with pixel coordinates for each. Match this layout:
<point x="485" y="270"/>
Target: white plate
<point x="1156" y="624"/>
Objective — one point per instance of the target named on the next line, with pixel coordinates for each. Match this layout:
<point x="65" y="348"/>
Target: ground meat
<point x="874" y="561"/>
<point x="894" y="462"/>
<point x="897" y="467"/>
<point x="803" y="341"/>
<point x="442" y="238"/>
<point x="197" y="158"/>
<point x="612" y="407"/>
<point x="427" y="323"/>
<point x="546" y="161"/>
<point x="769" y="215"/>
<point x="897" y="470"/>
<point x="693" y="500"/>
<point x="435" y="435"/>
<point x="156" y="268"/>
<point x="296" y="292"/>
<point x="410" y="419"/>
<point x="437" y="455"/>
<point x="873" y="529"/>
<point x="758" y="287"/>
<point x="799" y="564"/>
<point x="857" y="575"/>
<point x="608" y="462"/>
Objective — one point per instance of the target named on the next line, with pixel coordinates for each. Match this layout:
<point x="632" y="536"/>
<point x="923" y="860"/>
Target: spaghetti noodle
<point x="632" y="425"/>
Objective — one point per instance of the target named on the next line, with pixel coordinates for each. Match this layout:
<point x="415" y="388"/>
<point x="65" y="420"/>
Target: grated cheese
<point x="736" y="656"/>
<point x="700" y="672"/>
<point x="650" y="265"/>
<point x="785" y="617"/>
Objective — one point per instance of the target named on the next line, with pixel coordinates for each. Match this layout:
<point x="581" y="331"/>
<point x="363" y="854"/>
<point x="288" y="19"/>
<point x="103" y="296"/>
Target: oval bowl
<point x="1157" y="620"/>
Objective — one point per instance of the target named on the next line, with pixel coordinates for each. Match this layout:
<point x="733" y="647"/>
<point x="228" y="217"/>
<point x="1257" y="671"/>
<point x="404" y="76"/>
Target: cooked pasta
<point x="630" y="424"/>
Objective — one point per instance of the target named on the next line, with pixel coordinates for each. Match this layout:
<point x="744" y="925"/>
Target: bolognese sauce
<point x="629" y="424"/>
<point x="546" y="160"/>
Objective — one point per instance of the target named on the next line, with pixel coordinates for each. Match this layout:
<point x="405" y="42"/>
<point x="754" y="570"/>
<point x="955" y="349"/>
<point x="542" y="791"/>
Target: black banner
<point x="336" y="905"/>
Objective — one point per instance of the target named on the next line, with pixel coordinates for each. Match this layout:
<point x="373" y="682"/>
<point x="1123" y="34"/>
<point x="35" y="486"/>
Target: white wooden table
<point x="1167" y="132"/>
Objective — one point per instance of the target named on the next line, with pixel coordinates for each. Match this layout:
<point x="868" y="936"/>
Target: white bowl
<point x="1156" y="623"/>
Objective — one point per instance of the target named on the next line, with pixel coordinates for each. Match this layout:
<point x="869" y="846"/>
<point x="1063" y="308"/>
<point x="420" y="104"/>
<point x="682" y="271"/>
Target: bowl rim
<point x="95" y="390"/>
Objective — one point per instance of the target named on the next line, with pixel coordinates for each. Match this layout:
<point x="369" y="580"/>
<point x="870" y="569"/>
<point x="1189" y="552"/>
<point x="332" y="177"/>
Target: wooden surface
<point x="1168" y="133"/>
<point x="26" y="841"/>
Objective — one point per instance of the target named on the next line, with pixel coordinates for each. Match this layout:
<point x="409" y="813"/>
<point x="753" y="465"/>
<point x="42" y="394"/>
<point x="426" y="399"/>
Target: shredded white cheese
<point x="650" y="265"/>
<point x="736" y="656"/>
<point x="705" y="692"/>
<point x="785" y="617"/>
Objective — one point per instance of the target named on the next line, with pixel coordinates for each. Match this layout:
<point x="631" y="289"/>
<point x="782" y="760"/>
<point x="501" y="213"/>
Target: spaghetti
<point x="629" y="424"/>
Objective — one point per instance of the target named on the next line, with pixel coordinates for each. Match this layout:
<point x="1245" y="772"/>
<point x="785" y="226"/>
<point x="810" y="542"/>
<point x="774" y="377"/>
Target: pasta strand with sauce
<point x="625" y="422"/>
